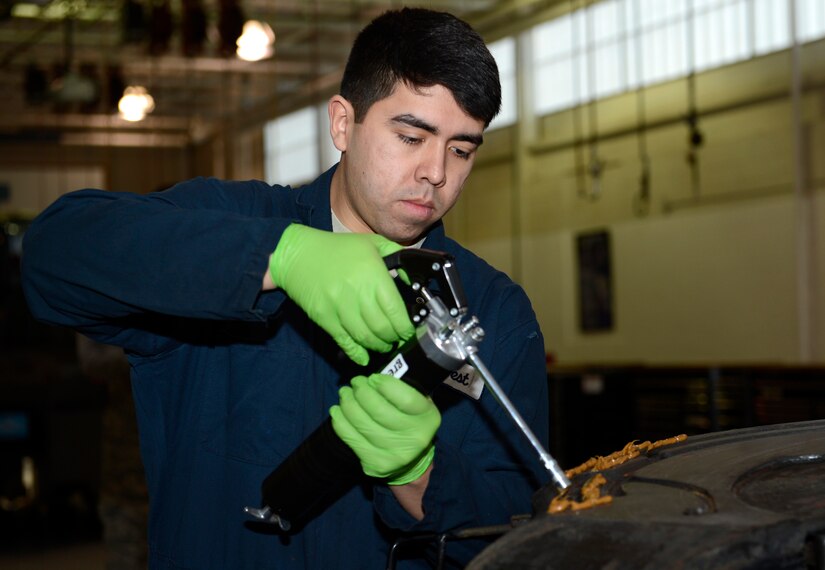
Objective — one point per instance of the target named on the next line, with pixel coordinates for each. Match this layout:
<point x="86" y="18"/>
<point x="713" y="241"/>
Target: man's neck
<point x="339" y="227"/>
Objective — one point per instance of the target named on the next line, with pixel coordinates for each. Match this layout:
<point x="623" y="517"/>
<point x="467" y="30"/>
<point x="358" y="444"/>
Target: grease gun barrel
<point x="552" y="466"/>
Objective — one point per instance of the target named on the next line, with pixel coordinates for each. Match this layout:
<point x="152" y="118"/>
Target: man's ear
<point x="341" y="119"/>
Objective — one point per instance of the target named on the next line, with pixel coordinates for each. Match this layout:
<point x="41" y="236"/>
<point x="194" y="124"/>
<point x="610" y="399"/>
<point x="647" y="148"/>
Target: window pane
<point x="608" y="65"/>
<point x="622" y="44"/>
<point x="658" y="12"/>
<point x="721" y="36"/>
<point x="504" y="52"/>
<point x="296" y="165"/>
<point x="554" y="87"/>
<point x="580" y="33"/>
<point x="507" y="115"/>
<point x="771" y="25"/>
<point x="663" y="53"/>
<point x="329" y="154"/>
<point x="298" y="127"/>
<point x="581" y="78"/>
<point x="291" y="147"/>
<point x="270" y="136"/>
<point x="552" y="39"/>
<point x="652" y="56"/>
<point x="702" y="5"/>
<point x="270" y="149"/>
<point x="606" y="21"/>
<point x="676" y="9"/>
<point x="810" y="18"/>
<point x="629" y="15"/>
<point x="735" y="32"/>
<point x="677" y="57"/>
<point x="633" y="60"/>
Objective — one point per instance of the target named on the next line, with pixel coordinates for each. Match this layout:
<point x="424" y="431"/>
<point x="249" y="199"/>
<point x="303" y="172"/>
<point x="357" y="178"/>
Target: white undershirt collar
<point x="339" y="227"/>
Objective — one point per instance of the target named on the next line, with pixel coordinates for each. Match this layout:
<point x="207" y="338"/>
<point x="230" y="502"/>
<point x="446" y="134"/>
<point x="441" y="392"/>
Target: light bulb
<point x="256" y="41"/>
<point x="136" y="103"/>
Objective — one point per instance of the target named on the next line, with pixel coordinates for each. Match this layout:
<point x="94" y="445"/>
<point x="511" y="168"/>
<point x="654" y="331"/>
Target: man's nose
<point x="432" y="166"/>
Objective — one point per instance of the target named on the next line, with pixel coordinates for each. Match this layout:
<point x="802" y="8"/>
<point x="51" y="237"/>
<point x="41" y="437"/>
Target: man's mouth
<point x="420" y="208"/>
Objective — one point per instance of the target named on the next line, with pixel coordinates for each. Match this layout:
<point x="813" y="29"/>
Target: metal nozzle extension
<point x="552" y="466"/>
<point x="266" y="515"/>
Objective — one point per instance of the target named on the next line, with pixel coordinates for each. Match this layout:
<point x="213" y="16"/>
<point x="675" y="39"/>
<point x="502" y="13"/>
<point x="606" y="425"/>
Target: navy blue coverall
<point x="228" y="380"/>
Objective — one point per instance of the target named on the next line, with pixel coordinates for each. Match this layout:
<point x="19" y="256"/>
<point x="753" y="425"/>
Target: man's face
<point x="403" y="167"/>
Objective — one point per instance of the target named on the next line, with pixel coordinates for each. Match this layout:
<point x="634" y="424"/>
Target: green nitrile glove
<point x="389" y="425"/>
<point x="342" y="283"/>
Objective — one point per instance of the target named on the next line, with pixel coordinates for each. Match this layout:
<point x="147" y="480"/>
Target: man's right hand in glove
<point x="343" y="285"/>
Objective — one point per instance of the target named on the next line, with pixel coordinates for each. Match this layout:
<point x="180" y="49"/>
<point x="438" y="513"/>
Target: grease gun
<point x="323" y="467"/>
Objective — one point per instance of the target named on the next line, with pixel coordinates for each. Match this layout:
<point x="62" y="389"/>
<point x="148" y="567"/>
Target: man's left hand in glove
<point x="389" y="425"/>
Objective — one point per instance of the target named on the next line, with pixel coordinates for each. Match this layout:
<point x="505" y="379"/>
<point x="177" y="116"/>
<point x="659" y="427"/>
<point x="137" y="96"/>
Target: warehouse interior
<point x="655" y="183"/>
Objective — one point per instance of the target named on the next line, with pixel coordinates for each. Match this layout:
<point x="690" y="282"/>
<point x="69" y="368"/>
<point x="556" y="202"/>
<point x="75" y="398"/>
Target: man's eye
<point x="463" y="154"/>
<point x="409" y="140"/>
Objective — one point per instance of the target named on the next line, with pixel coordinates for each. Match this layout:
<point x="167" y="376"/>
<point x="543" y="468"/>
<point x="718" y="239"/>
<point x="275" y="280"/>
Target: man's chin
<point x="407" y="238"/>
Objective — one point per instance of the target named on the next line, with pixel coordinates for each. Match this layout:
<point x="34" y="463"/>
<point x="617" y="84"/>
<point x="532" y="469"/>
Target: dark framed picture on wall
<point x="595" y="281"/>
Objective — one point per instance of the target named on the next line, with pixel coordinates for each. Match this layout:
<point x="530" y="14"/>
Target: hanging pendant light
<point x="256" y="42"/>
<point x="135" y="104"/>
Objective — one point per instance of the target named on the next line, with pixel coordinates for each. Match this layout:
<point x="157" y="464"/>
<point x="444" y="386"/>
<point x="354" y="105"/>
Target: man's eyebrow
<point x="470" y="138"/>
<point x="415" y="122"/>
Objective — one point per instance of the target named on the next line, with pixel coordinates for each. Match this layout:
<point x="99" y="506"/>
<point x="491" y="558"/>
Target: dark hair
<point x="422" y="48"/>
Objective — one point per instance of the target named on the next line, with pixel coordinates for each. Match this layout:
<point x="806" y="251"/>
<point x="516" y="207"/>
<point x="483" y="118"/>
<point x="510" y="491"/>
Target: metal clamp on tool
<point x="323" y="467"/>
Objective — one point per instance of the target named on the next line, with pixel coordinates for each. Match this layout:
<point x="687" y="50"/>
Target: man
<point x="234" y="300"/>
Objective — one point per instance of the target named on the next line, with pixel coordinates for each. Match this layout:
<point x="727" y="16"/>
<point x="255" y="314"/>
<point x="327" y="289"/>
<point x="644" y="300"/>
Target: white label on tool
<point x="397" y="367"/>
<point x="465" y="380"/>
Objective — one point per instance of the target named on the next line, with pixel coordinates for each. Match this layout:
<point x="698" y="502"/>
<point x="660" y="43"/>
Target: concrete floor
<point x="82" y="556"/>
